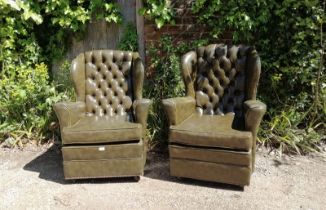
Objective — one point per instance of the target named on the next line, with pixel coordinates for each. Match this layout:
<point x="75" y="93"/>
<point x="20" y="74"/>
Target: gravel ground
<point x="33" y="179"/>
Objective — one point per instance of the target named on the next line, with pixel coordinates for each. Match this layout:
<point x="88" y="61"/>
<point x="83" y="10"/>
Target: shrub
<point x="129" y="40"/>
<point x="26" y="99"/>
<point x="62" y="80"/>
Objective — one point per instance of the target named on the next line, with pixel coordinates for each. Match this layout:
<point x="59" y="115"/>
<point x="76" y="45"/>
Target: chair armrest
<point x="141" y="108"/>
<point x="69" y="113"/>
<point x="254" y="112"/>
<point x="178" y="109"/>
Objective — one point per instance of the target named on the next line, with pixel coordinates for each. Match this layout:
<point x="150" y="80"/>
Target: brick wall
<point x="185" y="27"/>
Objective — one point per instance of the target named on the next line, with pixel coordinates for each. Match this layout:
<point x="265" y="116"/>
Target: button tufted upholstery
<point x="109" y="110"/>
<point x="219" y="78"/>
<point x="220" y="81"/>
<point x="108" y="83"/>
<point x="219" y="115"/>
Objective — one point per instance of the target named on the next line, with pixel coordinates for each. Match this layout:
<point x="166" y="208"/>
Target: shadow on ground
<point x="49" y="167"/>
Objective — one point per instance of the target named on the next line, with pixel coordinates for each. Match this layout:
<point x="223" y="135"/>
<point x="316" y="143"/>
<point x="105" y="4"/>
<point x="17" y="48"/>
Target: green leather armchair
<point x="213" y="129"/>
<point x="103" y="131"/>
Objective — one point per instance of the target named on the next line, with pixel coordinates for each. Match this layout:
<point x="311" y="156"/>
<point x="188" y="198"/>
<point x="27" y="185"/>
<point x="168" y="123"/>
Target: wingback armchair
<point x="213" y="129"/>
<point x="103" y="131"/>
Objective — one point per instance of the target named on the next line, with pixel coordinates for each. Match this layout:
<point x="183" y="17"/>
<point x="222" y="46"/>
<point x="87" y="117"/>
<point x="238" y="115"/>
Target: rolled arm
<point x="141" y="108"/>
<point x="254" y="112"/>
<point x="69" y="113"/>
<point x="178" y="109"/>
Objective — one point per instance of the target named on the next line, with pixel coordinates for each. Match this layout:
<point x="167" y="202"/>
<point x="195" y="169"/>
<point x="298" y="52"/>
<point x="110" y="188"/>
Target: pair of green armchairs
<point x="212" y="129"/>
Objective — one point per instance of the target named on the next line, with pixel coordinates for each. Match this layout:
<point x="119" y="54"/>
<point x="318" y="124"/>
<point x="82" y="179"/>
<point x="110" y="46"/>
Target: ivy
<point x="69" y="18"/>
<point x="158" y="10"/>
<point x="48" y="25"/>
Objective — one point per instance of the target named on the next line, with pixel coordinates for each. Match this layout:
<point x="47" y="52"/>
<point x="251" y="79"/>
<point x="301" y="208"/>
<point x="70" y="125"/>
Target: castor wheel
<point x="136" y="178"/>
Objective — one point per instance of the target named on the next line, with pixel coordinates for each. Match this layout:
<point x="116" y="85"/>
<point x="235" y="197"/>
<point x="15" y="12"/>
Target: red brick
<point x="186" y="29"/>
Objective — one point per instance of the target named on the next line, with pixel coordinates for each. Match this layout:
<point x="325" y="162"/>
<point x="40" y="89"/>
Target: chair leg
<point x="136" y="178"/>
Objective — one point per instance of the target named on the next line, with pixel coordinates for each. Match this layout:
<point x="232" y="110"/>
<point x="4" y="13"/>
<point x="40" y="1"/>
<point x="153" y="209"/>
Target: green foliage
<point x="49" y="24"/>
<point x="17" y="45"/>
<point x="164" y="81"/>
<point x="159" y="11"/>
<point x="26" y="100"/>
<point x="287" y="137"/>
<point x="64" y="18"/>
<point x="129" y="40"/>
<point x="32" y="35"/>
<point x="63" y="81"/>
<point x="290" y="39"/>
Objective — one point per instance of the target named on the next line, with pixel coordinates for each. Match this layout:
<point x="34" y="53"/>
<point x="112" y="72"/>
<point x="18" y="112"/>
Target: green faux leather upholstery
<point x="179" y="109"/>
<point x="213" y="128"/>
<point x="214" y="155"/>
<point x="90" y="130"/>
<point x="69" y="113"/>
<point x="100" y="161"/>
<point x="79" y="152"/>
<point x="210" y="131"/>
<point x="103" y="131"/>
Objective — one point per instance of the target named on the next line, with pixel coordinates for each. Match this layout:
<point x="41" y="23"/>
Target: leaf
<point x="22" y="93"/>
<point x="159" y="23"/>
<point x="13" y="4"/>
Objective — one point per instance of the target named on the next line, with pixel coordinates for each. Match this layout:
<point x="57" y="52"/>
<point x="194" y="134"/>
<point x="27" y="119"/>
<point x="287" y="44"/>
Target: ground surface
<point x="33" y="179"/>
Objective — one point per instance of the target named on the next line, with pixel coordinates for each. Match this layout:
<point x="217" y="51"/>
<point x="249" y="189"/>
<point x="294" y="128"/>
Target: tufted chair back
<point x="221" y="78"/>
<point x="108" y="81"/>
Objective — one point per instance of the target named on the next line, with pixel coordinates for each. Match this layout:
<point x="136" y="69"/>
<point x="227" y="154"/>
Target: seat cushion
<point x="93" y="129"/>
<point x="210" y="131"/>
